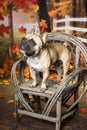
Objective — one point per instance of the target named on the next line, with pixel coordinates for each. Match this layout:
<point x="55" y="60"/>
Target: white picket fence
<point x="67" y="27"/>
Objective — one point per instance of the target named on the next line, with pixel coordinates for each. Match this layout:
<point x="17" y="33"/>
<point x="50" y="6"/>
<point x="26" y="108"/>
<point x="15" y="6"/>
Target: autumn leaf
<point x="4" y="29"/>
<point x="61" y="9"/>
<point x="6" y="82"/>
<point x="1" y="95"/>
<point x="10" y="61"/>
<point x="82" y="56"/>
<point x="1" y="17"/>
<point x="14" y="114"/>
<point x="31" y="16"/>
<point x="53" y="76"/>
<point x="84" y="110"/>
<point x="22" y="30"/>
<point x="35" y="8"/>
<point x="53" y="13"/>
<point x="13" y="49"/>
<point x="33" y="1"/>
<point x="25" y="4"/>
<point x="10" y="101"/>
<point x="43" y="26"/>
<point x="1" y="82"/>
<point x="5" y="69"/>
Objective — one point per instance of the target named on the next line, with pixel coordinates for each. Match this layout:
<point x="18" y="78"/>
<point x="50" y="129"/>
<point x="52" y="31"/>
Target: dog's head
<point x="31" y="44"/>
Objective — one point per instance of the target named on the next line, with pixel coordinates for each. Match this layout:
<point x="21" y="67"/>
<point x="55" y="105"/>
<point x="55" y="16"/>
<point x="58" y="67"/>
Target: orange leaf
<point x="14" y="114"/>
<point x="22" y="30"/>
<point x="53" y="13"/>
<point x="1" y="82"/>
<point x="31" y="16"/>
<point x="6" y="82"/>
<point x="43" y="25"/>
<point x="10" y="101"/>
<point x="53" y="76"/>
<point x="2" y="71"/>
<point x="13" y="49"/>
<point x="35" y="8"/>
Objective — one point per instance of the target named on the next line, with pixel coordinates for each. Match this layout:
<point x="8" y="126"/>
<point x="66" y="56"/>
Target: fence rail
<point x="67" y="27"/>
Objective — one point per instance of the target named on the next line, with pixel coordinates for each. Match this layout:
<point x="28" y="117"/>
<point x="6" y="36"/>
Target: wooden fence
<point x="67" y="26"/>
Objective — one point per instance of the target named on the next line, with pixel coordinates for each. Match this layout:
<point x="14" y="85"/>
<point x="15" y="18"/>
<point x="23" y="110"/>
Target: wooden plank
<point x="51" y="87"/>
<point x="37" y="115"/>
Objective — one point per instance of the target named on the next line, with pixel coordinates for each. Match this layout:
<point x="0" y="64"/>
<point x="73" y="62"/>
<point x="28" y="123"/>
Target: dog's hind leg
<point x="65" y="68"/>
<point x="59" y="69"/>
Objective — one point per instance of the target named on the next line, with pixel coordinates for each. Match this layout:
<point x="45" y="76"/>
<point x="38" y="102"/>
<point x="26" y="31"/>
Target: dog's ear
<point x="44" y="37"/>
<point x="28" y="36"/>
<point x="32" y="31"/>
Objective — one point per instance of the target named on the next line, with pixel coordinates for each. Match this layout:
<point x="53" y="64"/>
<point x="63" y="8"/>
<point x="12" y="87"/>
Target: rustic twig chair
<point x="57" y="94"/>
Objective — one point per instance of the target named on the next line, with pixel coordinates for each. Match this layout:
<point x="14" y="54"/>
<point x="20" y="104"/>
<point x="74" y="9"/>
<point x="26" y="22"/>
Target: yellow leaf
<point x="30" y="96"/>
<point x="6" y="82"/>
<point x="35" y="8"/>
<point x="14" y="114"/>
<point x="2" y="71"/>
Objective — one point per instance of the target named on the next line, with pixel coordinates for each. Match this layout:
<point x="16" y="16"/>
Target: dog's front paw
<point x="43" y="88"/>
<point x="33" y="84"/>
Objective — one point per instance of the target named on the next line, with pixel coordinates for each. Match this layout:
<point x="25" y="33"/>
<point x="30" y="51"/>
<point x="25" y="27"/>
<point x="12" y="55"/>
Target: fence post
<point x="54" y="24"/>
<point x="67" y="23"/>
<point x="37" y="30"/>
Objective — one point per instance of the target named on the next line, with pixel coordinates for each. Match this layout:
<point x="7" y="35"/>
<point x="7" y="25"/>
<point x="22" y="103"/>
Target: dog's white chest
<point x="36" y="64"/>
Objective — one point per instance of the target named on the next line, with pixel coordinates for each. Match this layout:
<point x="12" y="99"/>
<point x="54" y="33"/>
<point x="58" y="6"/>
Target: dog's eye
<point x="31" y="42"/>
<point x="24" y="40"/>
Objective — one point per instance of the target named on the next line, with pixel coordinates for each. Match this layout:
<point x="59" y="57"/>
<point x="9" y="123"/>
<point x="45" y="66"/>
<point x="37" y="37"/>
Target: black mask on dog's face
<point x="27" y="47"/>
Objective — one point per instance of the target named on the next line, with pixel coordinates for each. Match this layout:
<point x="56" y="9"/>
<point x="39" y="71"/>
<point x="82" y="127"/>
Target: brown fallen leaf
<point x="10" y="101"/>
<point x="14" y="115"/>
<point x="1" y="83"/>
<point x="1" y="95"/>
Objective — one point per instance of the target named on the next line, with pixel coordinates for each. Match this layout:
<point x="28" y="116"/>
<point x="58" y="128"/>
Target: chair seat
<point x="51" y="88"/>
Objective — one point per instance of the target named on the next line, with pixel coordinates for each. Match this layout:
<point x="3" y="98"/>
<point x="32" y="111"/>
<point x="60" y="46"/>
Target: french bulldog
<point x="40" y="56"/>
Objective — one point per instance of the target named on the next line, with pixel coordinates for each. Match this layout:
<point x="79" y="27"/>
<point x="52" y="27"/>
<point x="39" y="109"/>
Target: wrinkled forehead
<point x="36" y="38"/>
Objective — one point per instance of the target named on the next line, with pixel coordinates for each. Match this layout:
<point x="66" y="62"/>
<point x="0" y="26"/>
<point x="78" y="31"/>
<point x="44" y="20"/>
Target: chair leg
<point x="75" y="98"/>
<point x="58" y="114"/>
<point x="16" y="108"/>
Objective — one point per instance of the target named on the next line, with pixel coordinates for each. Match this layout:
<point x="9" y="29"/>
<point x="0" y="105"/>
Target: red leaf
<point x="43" y="26"/>
<point x="13" y="48"/>
<point x="84" y="110"/>
<point x="1" y="17"/>
<point x="4" y="29"/>
<point x="25" y="4"/>
<point x="31" y="16"/>
<point x="22" y="30"/>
